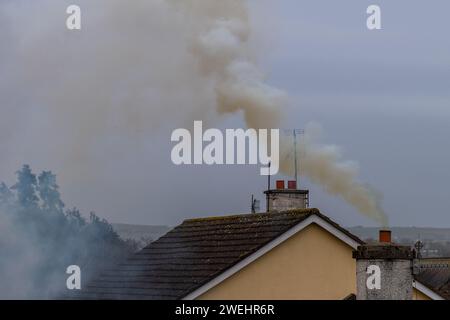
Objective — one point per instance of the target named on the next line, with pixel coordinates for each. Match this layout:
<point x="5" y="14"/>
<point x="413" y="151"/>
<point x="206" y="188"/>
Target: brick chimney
<point x="281" y="199"/>
<point x="384" y="270"/>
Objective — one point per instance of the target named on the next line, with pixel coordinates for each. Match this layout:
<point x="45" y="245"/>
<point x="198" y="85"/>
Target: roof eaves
<point x="428" y="291"/>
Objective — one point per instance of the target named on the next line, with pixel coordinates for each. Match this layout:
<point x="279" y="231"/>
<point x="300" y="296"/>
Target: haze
<point x="382" y="96"/>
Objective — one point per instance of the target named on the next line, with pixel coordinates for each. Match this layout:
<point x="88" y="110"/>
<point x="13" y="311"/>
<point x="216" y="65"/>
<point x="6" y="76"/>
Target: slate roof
<point x="435" y="275"/>
<point x="194" y="253"/>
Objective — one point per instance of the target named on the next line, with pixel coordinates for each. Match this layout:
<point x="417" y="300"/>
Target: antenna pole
<point x="295" y="158"/>
<point x="253" y="205"/>
<point x="268" y="189"/>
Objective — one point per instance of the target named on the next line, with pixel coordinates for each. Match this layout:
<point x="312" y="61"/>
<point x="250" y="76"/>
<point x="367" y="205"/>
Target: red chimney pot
<point x="280" y="184"/>
<point x="385" y="236"/>
<point x="292" y="184"/>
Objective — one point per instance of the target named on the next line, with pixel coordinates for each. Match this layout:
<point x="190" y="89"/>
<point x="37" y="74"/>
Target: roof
<point x="196" y="252"/>
<point x="351" y="296"/>
<point x="434" y="273"/>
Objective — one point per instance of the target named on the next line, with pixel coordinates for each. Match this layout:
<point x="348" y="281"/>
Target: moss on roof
<point x="264" y="215"/>
<point x="193" y="253"/>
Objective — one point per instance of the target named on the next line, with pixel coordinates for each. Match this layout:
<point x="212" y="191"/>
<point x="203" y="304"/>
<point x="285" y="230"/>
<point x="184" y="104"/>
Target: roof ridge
<point x="264" y="214"/>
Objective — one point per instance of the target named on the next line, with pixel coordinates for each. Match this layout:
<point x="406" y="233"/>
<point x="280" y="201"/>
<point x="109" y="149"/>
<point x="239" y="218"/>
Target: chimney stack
<point x="282" y="199"/>
<point x="384" y="270"/>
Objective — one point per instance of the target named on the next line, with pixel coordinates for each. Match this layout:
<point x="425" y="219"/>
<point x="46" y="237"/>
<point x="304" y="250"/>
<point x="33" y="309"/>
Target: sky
<point x="382" y="96"/>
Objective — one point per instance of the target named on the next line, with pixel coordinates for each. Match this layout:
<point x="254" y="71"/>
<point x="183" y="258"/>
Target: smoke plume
<point x="134" y="67"/>
<point x="240" y="86"/>
<point x="323" y="165"/>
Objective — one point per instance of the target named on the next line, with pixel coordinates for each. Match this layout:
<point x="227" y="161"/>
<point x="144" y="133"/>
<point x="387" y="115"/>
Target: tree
<point x="49" y="193"/>
<point x="75" y="219"/>
<point x="6" y="195"/>
<point x="51" y="239"/>
<point x="26" y="188"/>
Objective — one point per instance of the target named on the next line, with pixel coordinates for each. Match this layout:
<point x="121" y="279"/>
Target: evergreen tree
<point x="53" y="238"/>
<point x="6" y="195"/>
<point x="49" y="193"/>
<point x="75" y="219"/>
<point x="26" y="188"/>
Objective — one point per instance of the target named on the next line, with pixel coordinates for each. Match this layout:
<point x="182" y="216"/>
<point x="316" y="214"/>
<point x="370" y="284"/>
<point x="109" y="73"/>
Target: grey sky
<point x="383" y="96"/>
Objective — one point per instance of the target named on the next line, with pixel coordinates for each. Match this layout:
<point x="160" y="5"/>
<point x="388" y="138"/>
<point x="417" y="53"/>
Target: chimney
<point x="292" y="185"/>
<point x="384" y="270"/>
<point x="280" y="184"/>
<point x="385" y="236"/>
<point x="282" y="199"/>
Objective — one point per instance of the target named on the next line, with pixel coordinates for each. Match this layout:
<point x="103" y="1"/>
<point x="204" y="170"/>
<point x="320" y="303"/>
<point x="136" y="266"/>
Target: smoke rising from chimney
<point x="240" y="86"/>
<point x="139" y="64"/>
<point x="323" y="165"/>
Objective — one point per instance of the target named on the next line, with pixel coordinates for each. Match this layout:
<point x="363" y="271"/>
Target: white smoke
<point x="16" y="277"/>
<point x="21" y="261"/>
<point x="323" y="165"/>
<point x="135" y="66"/>
<point x="240" y="86"/>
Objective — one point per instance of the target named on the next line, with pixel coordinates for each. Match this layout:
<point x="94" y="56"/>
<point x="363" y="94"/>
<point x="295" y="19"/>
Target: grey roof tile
<point x="192" y="254"/>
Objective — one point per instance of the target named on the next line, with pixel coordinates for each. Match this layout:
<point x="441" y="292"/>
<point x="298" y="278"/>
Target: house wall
<point x="312" y="264"/>
<point x="417" y="295"/>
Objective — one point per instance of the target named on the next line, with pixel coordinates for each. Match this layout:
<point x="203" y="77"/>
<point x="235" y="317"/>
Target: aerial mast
<point x="295" y="158"/>
<point x="295" y="133"/>
<point x="268" y="189"/>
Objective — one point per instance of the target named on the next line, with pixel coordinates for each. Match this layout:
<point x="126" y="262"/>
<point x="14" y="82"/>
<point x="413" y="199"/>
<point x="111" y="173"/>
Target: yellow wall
<point x="312" y="264"/>
<point x="417" y="295"/>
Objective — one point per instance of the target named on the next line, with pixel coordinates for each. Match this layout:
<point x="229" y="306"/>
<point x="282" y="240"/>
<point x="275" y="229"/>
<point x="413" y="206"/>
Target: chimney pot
<point x="280" y="184"/>
<point x="292" y="184"/>
<point x="385" y="236"/>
